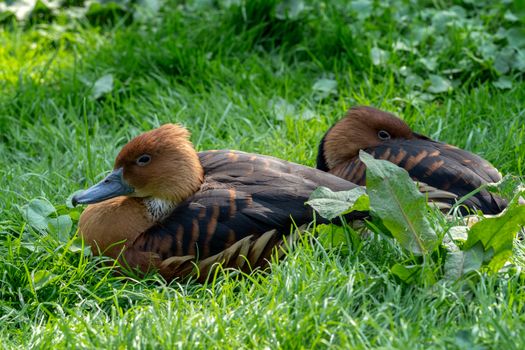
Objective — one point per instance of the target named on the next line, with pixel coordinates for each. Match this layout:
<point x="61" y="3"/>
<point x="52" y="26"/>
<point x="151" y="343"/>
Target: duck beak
<point x="112" y="186"/>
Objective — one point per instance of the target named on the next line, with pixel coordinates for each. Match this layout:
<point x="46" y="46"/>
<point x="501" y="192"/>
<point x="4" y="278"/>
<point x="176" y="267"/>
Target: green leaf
<point x="458" y="233"/>
<point x="147" y="10"/>
<point x="503" y="59"/>
<point x="6" y="16"/>
<point x="414" y="80"/>
<point x="442" y="20"/>
<point x="407" y="274"/>
<point x="379" y="56"/>
<point x="496" y="235"/>
<point x="413" y="274"/>
<point x="289" y="9"/>
<point x="21" y="9"/>
<point x="331" y="236"/>
<point x="331" y="204"/>
<point x="42" y="277"/>
<point x="60" y="227"/>
<point x="429" y="63"/>
<point x="324" y="88"/>
<point x="460" y="263"/>
<point x="395" y="199"/>
<point x="438" y="84"/>
<point x="503" y="83"/>
<point x="509" y="16"/>
<point x="362" y="8"/>
<point x="37" y="213"/>
<point x="519" y="60"/>
<point x="102" y="86"/>
<point x="328" y="86"/>
<point x="107" y="12"/>
<point x="78" y="246"/>
<point x="74" y="215"/>
<point x="466" y="340"/>
<point x="42" y="215"/>
<point x="281" y="108"/>
<point x="516" y="37"/>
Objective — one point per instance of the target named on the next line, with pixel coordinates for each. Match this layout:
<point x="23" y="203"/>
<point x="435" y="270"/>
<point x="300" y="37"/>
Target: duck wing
<point x="436" y="164"/>
<point x="243" y="194"/>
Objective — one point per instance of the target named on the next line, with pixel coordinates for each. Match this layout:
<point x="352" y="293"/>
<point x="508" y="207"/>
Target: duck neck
<point x="176" y="188"/>
<point x="158" y="208"/>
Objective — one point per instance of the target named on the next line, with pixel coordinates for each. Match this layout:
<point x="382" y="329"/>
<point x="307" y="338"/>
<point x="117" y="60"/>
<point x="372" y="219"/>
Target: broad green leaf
<point x="74" y="215"/>
<point x="379" y="56"/>
<point x="106" y="12"/>
<point x="331" y="236"/>
<point x="502" y="66"/>
<point x="78" y="246"/>
<point x="395" y="199"/>
<point x="60" y="227"/>
<point x="363" y="8"/>
<point x="519" y="60"/>
<point x="417" y="97"/>
<point x="402" y="46"/>
<point x="407" y="274"/>
<point x="281" y="108"/>
<point x="429" y="63"/>
<point x="466" y="340"/>
<point x="516" y="37"/>
<point x="438" y="84"/>
<point x="488" y="50"/>
<point x="289" y="9"/>
<point x="41" y="215"/>
<point x="413" y="274"/>
<point x="458" y="233"/>
<point x="455" y="235"/>
<point x="324" y="88"/>
<point x="146" y="10"/>
<point x="497" y="235"/>
<point x="414" y="80"/>
<point x="42" y="277"/>
<point x="442" y="20"/>
<point x="459" y="263"/>
<point x="509" y="16"/>
<point x="331" y="204"/>
<point x="37" y="213"/>
<point x="102" y="86"/>
<point x="21" y="9"/>
<point x="504" y="59"/>
<point x="328" y="86"/>
<point x="6" y="16"/>
<point x="306" y="114"/>
<point x="503" y="83"/>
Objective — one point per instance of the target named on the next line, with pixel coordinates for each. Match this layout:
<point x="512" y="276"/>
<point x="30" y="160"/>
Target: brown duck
<point x="385" y="136"/>
<point x="166" y="207"/>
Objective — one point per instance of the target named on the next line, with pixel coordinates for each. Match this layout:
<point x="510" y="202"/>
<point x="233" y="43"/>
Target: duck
<point x="167" y="208"/>
<point x="428" y="162"/>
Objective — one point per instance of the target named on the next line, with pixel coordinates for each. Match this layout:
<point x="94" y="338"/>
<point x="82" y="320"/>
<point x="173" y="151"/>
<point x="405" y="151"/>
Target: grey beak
<point x="112" y="186"/>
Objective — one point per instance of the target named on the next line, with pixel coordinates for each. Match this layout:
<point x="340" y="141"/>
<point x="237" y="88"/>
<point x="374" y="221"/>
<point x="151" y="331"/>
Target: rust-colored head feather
<point x="161" y="163"/>
<point x="362" y="127"/>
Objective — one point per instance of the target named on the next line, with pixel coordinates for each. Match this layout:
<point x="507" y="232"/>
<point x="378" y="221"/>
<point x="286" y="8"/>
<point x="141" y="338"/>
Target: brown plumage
<point x="385" y="136"/>
<point x="166" y="207"/>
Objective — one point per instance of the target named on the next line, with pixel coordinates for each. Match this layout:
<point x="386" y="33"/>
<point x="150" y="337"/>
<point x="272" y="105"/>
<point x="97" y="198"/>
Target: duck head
<point x="157" y="165"/>
<point x="363" y="127"/>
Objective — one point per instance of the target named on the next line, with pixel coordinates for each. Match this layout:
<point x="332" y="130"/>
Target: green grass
<point x="221" y="72"/>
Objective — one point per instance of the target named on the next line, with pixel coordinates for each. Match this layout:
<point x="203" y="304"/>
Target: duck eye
<point x="143" y="159"/>
<point x="383" y="135"/>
